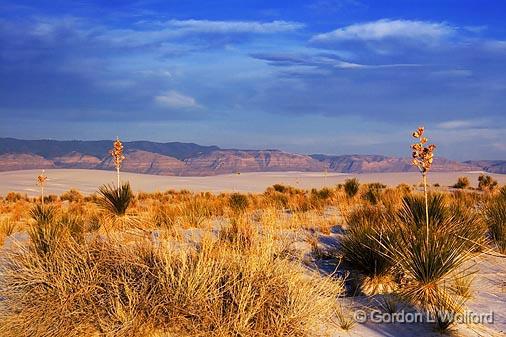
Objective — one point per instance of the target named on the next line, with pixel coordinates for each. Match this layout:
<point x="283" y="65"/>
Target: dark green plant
<point x="43" y="214"/>
<point x="373" y="193"/>
<point x="115" y="200"/>
<point x="238" y="202"/>
<point x="363" y="245"/>
<point x="47" y="233"/>
<point x="462" y="183"/>
<point x="427" y="263"/>
<point x="351" y="187"/>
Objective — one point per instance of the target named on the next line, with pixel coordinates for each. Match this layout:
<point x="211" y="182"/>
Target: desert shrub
<point x="108" y="288"/>
<point x="238" y="202"/>
<point x="362" y="245"/>
<point x="72" y="195"/>
<point x="373" y="193"/>
<point x="462" y="183"/>
<point x="486" y="183"/>
<point x="351" y="187"/>
<point x="47" y="234"/>
<point x="14" y="196"/>
<point x="495" y="217"/>
<point x="115" y="200"/>
<point x="279" y="188"/>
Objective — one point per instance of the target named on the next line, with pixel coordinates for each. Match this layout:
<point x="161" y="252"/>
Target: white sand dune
<point x="87" y="181"/>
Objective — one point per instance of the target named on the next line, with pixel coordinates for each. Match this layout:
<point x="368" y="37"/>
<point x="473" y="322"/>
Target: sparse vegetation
<point x="486" y="183"/>
<point x="462" y="183"/>
<point x="351" y="187"/>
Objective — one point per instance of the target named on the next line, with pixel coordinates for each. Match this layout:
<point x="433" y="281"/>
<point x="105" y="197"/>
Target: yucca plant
<point x="429" y="262"/>
<point x="363" y="249"/>
<point x="495" y="217"/>
<point x="115" y="199"/>
<point x="423" y="156"/>
<point x="47" y="233"/>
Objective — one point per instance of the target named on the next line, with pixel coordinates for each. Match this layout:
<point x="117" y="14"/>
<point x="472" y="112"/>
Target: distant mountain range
<point x="188" y="159"/>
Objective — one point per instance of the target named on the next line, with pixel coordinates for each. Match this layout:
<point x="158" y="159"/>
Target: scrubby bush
<point x="373" y="192"/>
<point x="462" y="183"/>
<point x="486" y="183"/>
<point x="238" y="202"/>
<point x="351" y="187"/>
<point x="72" y="195"/>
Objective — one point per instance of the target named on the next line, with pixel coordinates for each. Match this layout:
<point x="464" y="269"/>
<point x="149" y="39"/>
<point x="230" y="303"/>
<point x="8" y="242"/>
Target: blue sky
<point x="322" y="76"/>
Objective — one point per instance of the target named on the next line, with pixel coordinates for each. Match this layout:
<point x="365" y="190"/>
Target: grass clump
<point x="351" y="187"/>
<point x="495" y="217"/>
<point x="108" y="288"/>
<point x="238" y="202"/>
<point x="363" y="249"/>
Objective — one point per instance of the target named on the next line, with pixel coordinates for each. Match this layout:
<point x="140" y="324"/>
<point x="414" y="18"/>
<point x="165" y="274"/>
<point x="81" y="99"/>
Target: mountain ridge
<point x="190" y="159"/>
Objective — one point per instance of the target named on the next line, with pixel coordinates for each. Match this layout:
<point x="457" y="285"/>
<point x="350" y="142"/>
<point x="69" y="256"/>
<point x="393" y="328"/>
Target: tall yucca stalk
<point x="422" y="159"/>
<point x="41" y="182"/>
<point x="117" y="157"/>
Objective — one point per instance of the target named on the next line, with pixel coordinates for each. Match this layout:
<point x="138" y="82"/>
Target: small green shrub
<point x="462" y="183"/>
<point x="351" y="187"/>
<point x="238" y="202"/>
<point x="486" y="183"/>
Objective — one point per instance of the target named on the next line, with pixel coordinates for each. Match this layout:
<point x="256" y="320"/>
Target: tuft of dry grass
<point x="109" y="288"/>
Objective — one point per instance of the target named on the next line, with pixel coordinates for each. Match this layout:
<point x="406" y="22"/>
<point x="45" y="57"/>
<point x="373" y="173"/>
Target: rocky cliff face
<point x="196" y="160"/>
<point x="229" y="161"/>
<point x="493" y="166"/>
<point x="22" y="161"/>
<point x="377" y="163"/>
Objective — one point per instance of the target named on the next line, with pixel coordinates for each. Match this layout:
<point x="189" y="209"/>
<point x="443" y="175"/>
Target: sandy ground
<point x="87" y="181"/>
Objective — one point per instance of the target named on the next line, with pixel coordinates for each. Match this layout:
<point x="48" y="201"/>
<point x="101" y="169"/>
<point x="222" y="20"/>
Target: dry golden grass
<point x="203" y="264"/>
<point x="215" y="288"/>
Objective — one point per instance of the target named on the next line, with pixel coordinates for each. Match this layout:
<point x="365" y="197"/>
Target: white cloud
<point x="462" y="124"/>
<point x="385" y="29"/>
<point x="209" y="26"/>
<point x="174" y="99"/>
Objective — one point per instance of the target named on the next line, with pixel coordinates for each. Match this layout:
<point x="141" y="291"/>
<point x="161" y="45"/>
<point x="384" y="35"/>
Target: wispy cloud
<point x="177" y="100"/>
<point x="322" y="60"/>
<point x="388" y="29"/>
<point x="223" y="27"/>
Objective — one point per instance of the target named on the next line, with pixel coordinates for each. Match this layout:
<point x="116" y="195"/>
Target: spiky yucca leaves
<point x="109" y="288"/>
<point x="363" y="249"/>
<point x="47" y="233"/>
<point x="466" y="223"/>
<point x="115" y="200"/>
<point x="495" y="217"/>
<point x="429" y="264"/>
